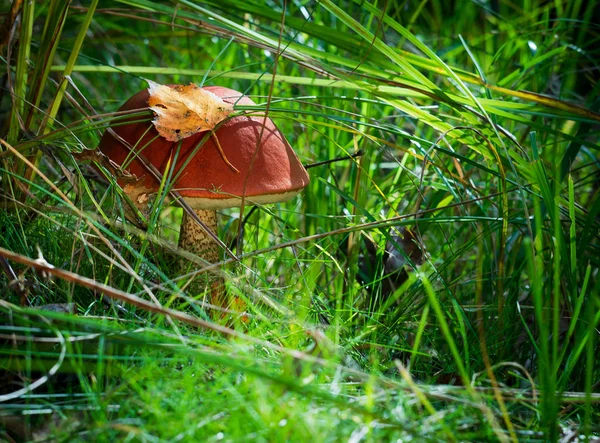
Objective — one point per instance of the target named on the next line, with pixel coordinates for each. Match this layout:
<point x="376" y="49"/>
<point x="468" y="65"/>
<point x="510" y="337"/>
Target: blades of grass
<point x="333" y="56"/>
<point x="73" y="55"/>
<point x="481" y="252"/>
<point x="441" y="318"/>
<point x="348" y="198"/>
<point x="558" y="247"/>
<point x="503" y="210"/>
<point x="21" y="72"/>
<point x="493" y="107"/>
<point x="380" y="46"/>
<point x="107" y="234"/>
<point x="93" y="226"/>
<point x="583" y="130"/>
<point x="572" y="238"/>
<point x="448" y="435"/>
<point x="480" y="71"/>
<point x="591" y="356"/>
<point x="347" y="298"/>
<point x="526" y="327"/>
<point x="354" y="239"/>
<point x="541" y="307"/>
<point x="217" y="18"/>
<point x="580" y="343"/>
<point x="540" y="176"/>
<point x="462" y="325"/>
<point x="43" y="379"/>
<point x="434" y="57"/>
<point x="435" y="304"/>
<point x="302" y="50"/>
<point x="590" y="222"/>
<point x="212" y="65"/>
<point x="54" y="25"/>
<point x="153" y="219"/>
<point x="513" y="78"/>
<point x="419" y="335"/>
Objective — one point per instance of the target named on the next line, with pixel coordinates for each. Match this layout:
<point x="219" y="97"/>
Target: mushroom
<point x="266" y="169"/>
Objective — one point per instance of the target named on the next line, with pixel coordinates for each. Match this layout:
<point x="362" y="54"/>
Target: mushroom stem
<point x="194" y="239"/>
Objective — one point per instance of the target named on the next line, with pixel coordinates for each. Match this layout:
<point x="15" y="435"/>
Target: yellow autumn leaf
<point x="182" y="111"/>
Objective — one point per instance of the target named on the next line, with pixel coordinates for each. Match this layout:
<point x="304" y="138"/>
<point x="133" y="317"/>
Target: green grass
<point x="477" y="125"/>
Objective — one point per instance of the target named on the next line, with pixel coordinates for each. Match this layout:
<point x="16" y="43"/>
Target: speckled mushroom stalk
<point x="266" y="169"/>
<point x="194" y="238"/>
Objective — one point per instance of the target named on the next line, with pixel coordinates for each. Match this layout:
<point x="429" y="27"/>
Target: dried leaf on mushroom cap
<point x="182" y="111"/>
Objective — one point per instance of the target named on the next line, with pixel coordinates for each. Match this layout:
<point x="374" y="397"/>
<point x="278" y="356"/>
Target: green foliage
<point x="440" y="285"/>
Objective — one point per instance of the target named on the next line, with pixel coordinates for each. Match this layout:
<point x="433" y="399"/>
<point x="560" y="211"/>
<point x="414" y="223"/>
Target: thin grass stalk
<point x="481" y="252"/>
<point x="590" y="357"/>
<point x="542" y="308"/>
<point x="440" y="316"/>
<point x="354" y="240"/>
<point x="21" y="74"/>
<point x="73" y="56"/>
<point x="53" y="27"/>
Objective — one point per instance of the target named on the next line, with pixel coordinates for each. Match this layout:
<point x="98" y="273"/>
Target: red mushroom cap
<point x="269" y="170"/>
